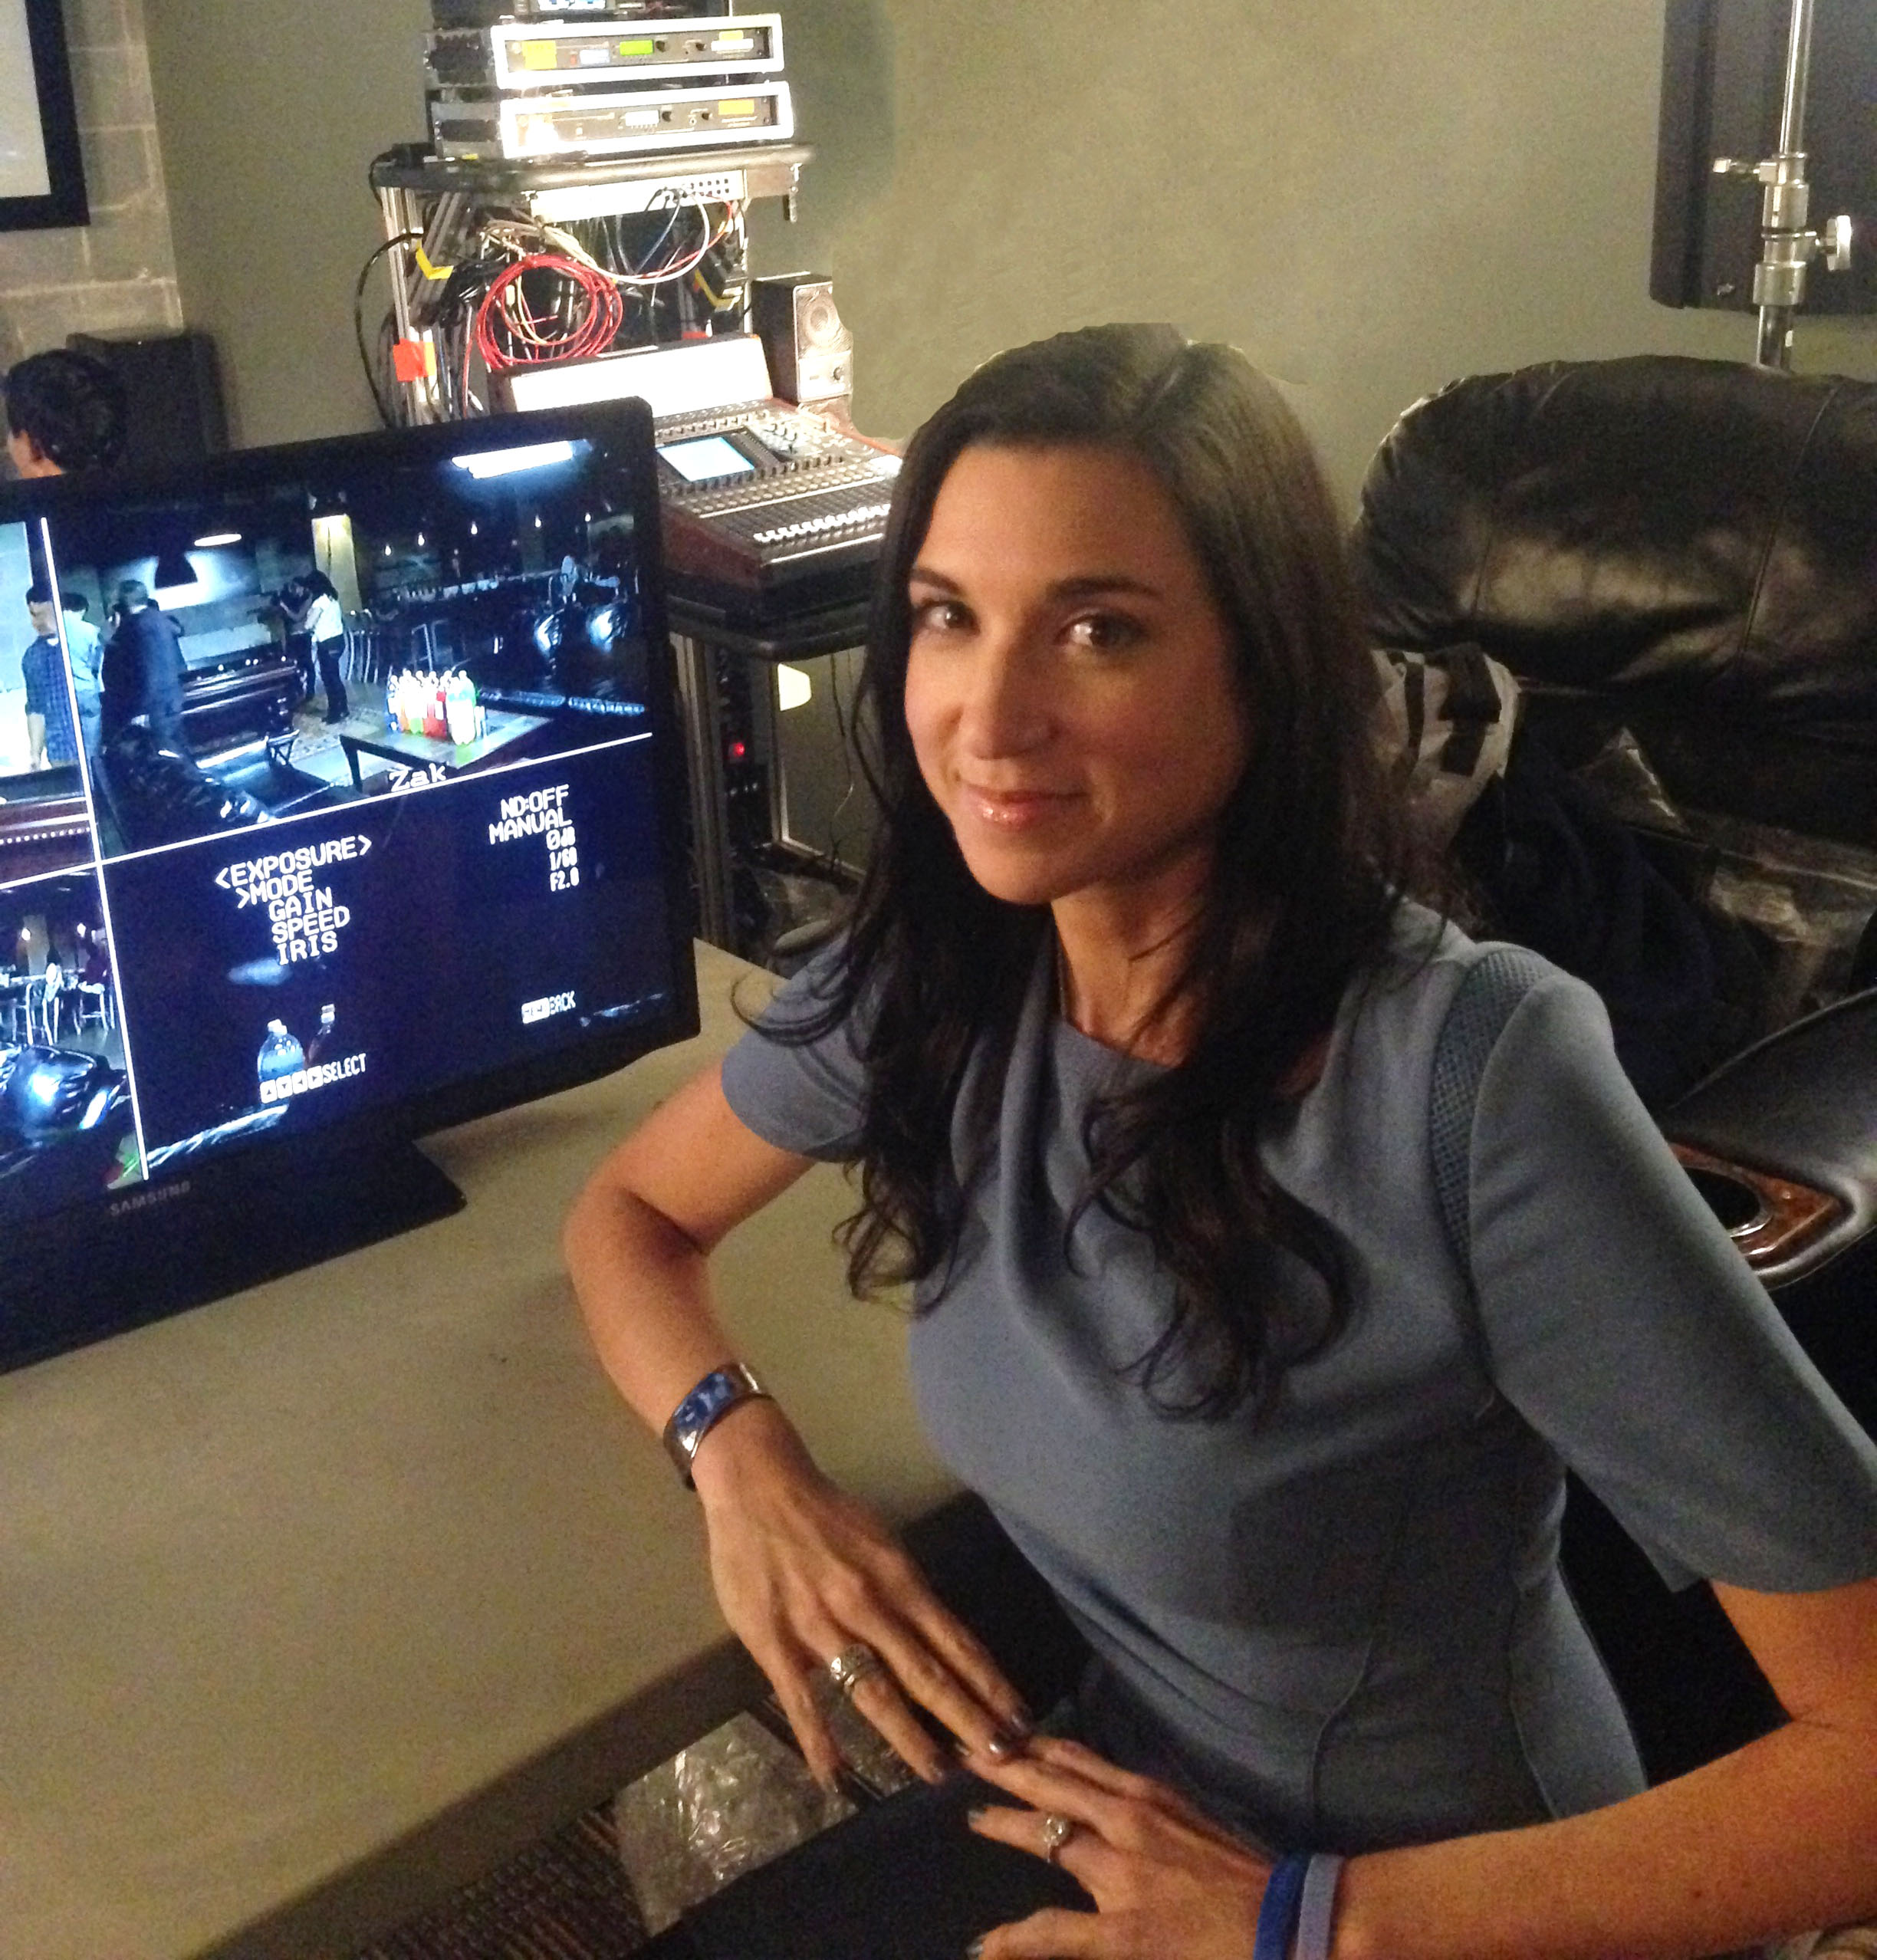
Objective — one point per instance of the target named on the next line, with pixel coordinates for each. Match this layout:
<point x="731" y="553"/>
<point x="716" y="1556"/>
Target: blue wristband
<point x="1278" y="1917"/>
<point x="1316" y="1908"/>
<point x="722" y="1390"/>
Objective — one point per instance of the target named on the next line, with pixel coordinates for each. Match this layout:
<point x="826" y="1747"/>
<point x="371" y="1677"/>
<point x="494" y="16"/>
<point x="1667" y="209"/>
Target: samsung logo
<point x="145" y="1200"/>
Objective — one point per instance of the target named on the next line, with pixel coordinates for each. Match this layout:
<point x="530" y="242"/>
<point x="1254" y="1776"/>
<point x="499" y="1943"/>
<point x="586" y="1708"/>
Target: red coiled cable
<point x="509" y="333"/>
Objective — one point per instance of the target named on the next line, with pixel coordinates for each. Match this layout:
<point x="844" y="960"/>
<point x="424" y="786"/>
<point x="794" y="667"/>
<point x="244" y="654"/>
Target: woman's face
<point x="1069" y="687"/>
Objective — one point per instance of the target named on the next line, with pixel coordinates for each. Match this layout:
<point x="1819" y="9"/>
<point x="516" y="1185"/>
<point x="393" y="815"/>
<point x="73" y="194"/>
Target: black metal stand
<point x="795" y="636"/>
<point x="699" y="630"/>
<point x="1787" y="246"/>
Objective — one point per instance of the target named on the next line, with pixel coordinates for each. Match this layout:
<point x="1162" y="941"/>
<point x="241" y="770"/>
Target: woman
<point x="1131" y="1037"/>
<point x="325" y="626"/>
<point x="294" y="602"/>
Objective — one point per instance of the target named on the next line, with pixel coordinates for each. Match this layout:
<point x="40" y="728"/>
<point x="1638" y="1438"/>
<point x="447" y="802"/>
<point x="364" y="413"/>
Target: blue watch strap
<point x="1284" y="1893"/>
<point x="714" y="1397"/>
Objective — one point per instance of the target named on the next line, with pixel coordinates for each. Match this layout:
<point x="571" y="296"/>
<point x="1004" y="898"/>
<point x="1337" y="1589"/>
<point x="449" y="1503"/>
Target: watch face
<point x="694" y="1407"/>
<point x="720" y="1389"/>
<point x="708" y="1396"/>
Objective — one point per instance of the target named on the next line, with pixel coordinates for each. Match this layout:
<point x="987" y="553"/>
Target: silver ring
<point x="1057" y="1830"/>
<point x="854" y="1664"/>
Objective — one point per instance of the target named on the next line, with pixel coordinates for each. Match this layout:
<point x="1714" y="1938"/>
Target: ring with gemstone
<point x="1057" y="1830"/>
<point x="853" y="1665"/>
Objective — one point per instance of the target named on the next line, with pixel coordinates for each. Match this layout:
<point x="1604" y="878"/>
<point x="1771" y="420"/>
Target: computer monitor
<point x="342" y="797"/>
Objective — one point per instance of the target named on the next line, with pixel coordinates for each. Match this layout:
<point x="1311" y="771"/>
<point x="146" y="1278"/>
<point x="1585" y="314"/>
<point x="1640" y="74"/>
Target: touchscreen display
<point x="706" y="456"/>
<point x="320" y="792"/>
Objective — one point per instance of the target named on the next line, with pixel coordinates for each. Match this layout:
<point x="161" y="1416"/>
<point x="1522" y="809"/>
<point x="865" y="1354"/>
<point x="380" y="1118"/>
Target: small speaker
<point x="172" y="387"/>
<point x="810" y="350"/>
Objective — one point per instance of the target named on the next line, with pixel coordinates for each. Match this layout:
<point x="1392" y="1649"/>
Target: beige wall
<point x="117" y="274"/>
<point x="1369" y="195"/>
<point x="270" y="111"/>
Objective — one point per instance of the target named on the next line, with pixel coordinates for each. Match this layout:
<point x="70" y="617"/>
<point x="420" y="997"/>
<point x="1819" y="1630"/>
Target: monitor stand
<point x="225" y="1231"/>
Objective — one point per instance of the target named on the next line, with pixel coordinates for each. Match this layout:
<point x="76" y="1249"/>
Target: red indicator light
<point x="737" y="751"/>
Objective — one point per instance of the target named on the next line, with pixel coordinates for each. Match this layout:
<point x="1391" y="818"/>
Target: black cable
<point x="450" y="310"/>
<point x="387" y="367"/>
<point x="848" y="745"/>
<point x="358" y="319"/>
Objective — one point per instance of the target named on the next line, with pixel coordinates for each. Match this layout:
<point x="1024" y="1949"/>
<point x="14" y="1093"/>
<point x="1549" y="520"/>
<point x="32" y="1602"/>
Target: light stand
<point x="1787" y="246"/>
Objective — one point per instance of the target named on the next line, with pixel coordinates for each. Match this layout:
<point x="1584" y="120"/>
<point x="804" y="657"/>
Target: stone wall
<point x="117" y="274"/>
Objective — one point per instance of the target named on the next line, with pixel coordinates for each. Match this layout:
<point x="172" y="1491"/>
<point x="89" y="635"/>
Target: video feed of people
<point x="45" y="823"/>
<point x="353" y="768"/>
<point x="305" y="645"/>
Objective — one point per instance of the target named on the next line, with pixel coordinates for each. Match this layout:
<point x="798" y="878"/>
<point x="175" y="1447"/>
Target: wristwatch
<point x="713" y="1398"/>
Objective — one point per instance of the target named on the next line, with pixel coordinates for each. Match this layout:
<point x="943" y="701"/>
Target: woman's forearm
<point x="1776" y="1838"/>
<point x="644" y="1288"/>
<point x="802" y="1571"/>
<point x="638" y="1239"/>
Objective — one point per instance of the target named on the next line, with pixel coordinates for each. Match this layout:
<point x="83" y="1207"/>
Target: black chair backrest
<point x="1686" y="547"/>
<point x="45" y="1091"/>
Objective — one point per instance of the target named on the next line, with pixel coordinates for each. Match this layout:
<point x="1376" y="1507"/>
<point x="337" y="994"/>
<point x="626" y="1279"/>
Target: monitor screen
<point x="340" y="798"/>
<point x="706" y="456"/>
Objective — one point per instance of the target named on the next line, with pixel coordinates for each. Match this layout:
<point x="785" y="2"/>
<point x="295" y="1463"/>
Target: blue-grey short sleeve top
<point x="1339" y="1620"/>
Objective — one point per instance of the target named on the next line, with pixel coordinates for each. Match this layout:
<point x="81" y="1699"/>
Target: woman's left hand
<point x="1168" y="1883"/>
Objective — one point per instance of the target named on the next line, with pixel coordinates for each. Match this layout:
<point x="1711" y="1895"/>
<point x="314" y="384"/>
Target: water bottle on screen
<point x="459" y="708"/>
<point x="281" y="1055"/>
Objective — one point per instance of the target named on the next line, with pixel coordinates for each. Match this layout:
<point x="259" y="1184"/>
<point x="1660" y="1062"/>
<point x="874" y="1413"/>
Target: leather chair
<point x="64" y="1117"/>
<point x="1686" y="550"/>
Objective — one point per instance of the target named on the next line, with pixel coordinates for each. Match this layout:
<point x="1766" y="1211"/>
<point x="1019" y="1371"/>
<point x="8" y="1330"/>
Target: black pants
<point x="907" y="1879"/>
<point x="904" y="1879"/>
<point x="330" y="652"/>
<point x="299" y="651"/>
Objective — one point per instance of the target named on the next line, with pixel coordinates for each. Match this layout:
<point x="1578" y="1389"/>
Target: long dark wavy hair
<point x="1311" y="858"/>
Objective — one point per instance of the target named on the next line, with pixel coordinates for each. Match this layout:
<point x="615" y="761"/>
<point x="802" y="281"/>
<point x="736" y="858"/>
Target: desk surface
<point x="317" y="1601"/>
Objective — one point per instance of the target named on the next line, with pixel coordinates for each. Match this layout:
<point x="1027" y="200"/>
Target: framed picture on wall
<point x="41" y="173"/>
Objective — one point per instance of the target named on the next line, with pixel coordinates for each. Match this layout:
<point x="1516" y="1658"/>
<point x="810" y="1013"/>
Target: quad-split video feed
<point x="68" y="1132"/>
<point x="257" y="654"/>
<point x="327" y="787"/>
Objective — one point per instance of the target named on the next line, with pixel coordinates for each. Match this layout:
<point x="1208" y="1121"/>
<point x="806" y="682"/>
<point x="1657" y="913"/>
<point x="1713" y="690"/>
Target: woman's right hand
<point x="802" y="1571"/>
